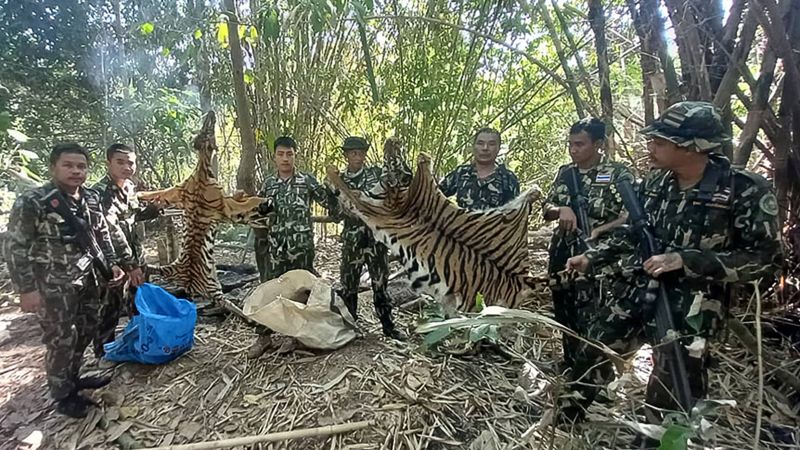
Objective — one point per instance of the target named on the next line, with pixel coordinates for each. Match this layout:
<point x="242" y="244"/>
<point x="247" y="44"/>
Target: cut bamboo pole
<point x="271" y="437"/>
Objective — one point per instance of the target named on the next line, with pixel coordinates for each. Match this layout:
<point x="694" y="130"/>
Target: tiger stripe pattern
<point x="449" y="253"/>
<point x="204" y="205"/>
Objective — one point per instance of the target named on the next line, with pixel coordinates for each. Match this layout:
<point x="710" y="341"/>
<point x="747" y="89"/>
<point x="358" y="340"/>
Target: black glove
<point x="265" y="207"/>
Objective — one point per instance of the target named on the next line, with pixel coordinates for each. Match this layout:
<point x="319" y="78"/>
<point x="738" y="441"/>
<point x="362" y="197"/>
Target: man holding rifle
<point x="584" y="200"/>
<point x="698" y="224"/>
<point x="60" y="256"/>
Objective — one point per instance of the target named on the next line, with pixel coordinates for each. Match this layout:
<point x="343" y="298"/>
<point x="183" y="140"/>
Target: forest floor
<point x="489" y="398"/>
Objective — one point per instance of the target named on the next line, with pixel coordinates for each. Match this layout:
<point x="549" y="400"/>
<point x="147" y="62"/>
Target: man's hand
<point x="578" y="263"/>
<point x="658" y="264"/>
<point x="30" y="301"/>
<point x="119" y="275"/>
<point x="566" y="219"/>
<point x="136" y="276"/>
<point x="265" y="207"/>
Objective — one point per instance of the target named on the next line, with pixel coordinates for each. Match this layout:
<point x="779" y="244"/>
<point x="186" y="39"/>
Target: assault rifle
<point x="580" y="206"/>
<point x="664" y="321"/>
<point x="84" y="236"/>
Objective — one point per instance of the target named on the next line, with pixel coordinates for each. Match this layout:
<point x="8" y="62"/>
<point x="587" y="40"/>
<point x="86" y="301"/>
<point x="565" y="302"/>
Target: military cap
<point x="355" y="143"/>
<point x="696" y="125"/>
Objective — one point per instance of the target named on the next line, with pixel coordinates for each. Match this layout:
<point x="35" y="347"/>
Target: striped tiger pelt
<point x="204" y="205"/>
<point x="449" y="253"/>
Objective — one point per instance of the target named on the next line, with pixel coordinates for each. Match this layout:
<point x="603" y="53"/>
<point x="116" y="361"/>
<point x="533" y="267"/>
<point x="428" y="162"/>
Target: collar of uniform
<point x="352" y="175"/>
<point x="498" y="168"/>
<point x="295" y="176"/>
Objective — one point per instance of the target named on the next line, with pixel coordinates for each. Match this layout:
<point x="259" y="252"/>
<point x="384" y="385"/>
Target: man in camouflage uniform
<point x="484" y="183"/>
<point x="596" y="176"/>
<point x="715" y="225"/>
<point x="358" y="244"/>
<point x="288" y="242"/>
<point x="122" y="211"/>
<point x="57" y="277"/>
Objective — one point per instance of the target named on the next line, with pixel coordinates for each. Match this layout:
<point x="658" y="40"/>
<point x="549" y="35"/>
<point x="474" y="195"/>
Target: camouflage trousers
<point x="69" y="319"/>
<point x="271" y="265"/>
<point x="624" y="323"/>
<point x="568" y="298"/>
<point x="117" y="301"/>
<point x="354" y="255"/>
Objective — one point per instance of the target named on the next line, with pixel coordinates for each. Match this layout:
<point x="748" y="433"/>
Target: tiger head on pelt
<point x="449" y="253"/>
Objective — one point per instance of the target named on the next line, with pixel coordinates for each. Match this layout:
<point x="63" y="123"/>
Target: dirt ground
<point x="214" y="392"/>
<point x="416" y="398"/>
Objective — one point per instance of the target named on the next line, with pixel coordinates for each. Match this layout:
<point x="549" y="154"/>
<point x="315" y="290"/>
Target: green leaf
<point x="436" y="336"/>
<point x="198" y="33"/>
<point x="165" y="51"/>
<point x="5" y="120"/>
<point x="27" y="154"/>
<point x="675" y="438"/>
<point x="146" y="28"/>
<point x="479" y="302"/>
<point x="248" y="77"/>
<point x="18" y="136"/>
<point x="222" y="34"/>
<point x="242" y="31"/>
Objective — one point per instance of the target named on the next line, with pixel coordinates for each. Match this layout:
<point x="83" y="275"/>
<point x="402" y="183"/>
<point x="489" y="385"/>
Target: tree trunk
<point x="245" y="174"/>
<point x="597" y="20"/>
<point x="757" y="109"/>
<point x="580" y="109"/>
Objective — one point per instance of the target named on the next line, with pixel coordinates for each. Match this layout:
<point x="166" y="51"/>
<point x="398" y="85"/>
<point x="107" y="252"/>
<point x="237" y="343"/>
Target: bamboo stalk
<point x="271" y="437"/>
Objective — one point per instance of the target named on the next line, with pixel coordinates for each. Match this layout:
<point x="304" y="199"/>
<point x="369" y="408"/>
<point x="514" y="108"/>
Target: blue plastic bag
<point x="162" y="331"/>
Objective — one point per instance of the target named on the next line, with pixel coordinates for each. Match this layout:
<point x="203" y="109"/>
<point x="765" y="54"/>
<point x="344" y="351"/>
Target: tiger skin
<point x="204" y="205"/>
<point x="449" y="253"/>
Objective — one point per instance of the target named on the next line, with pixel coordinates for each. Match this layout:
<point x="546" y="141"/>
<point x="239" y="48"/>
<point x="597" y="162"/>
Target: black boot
<point x="74" y="405"/>
<point x="93" y="381"/>
<point x="351" y="302"/>
<point x="387" y="324"/>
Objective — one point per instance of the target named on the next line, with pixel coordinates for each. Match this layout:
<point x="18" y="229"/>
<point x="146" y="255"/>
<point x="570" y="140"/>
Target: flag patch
<point x="603" y="178"/>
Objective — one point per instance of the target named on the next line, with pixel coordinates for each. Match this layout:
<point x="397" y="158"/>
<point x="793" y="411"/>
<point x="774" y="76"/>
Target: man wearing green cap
<point x="358" y="244"/>
<point x="714" y="225"/>
<point x="484" y="183"/>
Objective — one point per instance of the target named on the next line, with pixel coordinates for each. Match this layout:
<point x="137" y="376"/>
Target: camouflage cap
<point x="355" y="143"/>
<point x="697" y="125"/>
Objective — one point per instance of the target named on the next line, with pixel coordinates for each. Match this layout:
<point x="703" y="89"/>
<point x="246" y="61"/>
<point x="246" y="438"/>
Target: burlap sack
<point x="300" y="305"/>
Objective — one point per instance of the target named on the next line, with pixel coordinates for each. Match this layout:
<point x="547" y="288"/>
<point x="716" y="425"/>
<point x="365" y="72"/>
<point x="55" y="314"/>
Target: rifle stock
<point x="580" y="207"/>
<point x="664" y="320"/>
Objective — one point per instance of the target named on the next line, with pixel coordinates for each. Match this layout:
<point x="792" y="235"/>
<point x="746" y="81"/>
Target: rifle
<point x="664" y="320"/>
<point x="83" y="235"/>
<point x="580" y="206"/>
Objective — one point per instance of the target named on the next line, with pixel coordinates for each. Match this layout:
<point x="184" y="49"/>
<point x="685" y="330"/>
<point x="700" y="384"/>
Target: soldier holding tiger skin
<point x="288" y="242"/>
<point x="484" y="183"/>
<point x="358" y="244"/>
<point x="714" y="224"/>
<point x="596" y="176"/>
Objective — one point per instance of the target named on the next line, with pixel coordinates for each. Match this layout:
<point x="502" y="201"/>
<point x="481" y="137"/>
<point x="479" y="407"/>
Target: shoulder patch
<point x="769" y="204"/>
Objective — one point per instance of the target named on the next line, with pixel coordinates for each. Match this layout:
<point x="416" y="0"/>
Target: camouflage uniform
<point x="289" y="242"/>
<point x="359" y="248"/>
<point x="122" y="211"/>
<point x="475" y="193"/>
<point x="725" y="229"/>
<point x="604" y="206"/>
<point x="42" y="254"/>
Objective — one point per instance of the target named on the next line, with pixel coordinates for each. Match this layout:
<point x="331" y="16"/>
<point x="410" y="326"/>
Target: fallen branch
<point x="751" y="344"/>
<point x="272" y="437"/>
